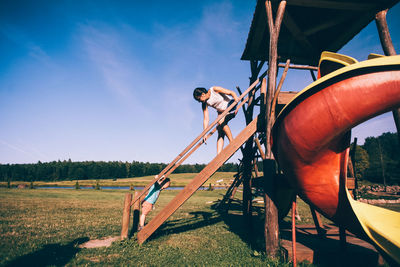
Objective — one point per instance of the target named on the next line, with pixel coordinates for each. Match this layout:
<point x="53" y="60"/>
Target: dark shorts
<point x="232" y="111"/>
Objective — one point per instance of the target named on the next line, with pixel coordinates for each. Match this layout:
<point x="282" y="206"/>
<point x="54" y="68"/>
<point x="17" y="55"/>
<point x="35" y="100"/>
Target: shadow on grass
<point x="253" y="236"/>
<point x="197" y="220"/>
<point x="52" y="254"/>
<point x="233" y="218"/>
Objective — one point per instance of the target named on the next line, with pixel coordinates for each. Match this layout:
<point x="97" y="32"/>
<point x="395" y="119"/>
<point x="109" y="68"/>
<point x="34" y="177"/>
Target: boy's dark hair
<point x="166" y="180"/>
<point x="198" y="91"/>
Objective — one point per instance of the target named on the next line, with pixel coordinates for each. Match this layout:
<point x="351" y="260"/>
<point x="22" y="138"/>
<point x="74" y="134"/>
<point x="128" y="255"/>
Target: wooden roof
<point x="310" y="27"/>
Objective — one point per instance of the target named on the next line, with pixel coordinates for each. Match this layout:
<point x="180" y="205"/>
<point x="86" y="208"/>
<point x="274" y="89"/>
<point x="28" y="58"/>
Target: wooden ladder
<point x="198" y="181"/>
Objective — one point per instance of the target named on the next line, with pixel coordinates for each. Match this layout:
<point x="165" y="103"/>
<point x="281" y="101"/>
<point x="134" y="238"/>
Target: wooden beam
<point x="278" y="89"/>
<point x="259" y="147"/>
<point x="285" y="97"/>
<point x="313" y="75"/>
<point x="298" y="67"/>
<point x="198" y="181"/>
<point x="294" y="256"/>
<point x="297" y="33"/>
<point x="328" y="23"/>
<point x="384" y="34"/>
<point x="136" y="215"/>
<point x="317" y="222"/>
<point x="388" y="48"/>
<point x="340" y="5"/>
<point x="271" y="227"/>
<point x="235" y="183"/>
<point x="126" y="215"/>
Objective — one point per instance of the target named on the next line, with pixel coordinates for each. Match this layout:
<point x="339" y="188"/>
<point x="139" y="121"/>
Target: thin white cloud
<point x="32" y="155"/>
<point x="103" y="49"/>
<point x="23" y="40"/>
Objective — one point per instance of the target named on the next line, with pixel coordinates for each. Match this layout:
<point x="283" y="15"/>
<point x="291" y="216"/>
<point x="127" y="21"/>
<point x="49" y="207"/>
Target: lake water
<point x="119" y="187"/>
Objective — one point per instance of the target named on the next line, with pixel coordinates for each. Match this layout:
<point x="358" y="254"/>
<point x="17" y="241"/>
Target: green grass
<point x="46" y="227"/>
<point x="179" y="179"/>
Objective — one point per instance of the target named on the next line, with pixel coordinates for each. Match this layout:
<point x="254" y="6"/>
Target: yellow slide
<point x="381" y="225"/>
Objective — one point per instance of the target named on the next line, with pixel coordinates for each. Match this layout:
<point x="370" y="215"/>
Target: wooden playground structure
<point x="289" y="35"/>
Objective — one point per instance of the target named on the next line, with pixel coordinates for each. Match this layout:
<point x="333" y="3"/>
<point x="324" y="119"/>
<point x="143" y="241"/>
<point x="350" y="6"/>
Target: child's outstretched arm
<point x="206" y="119"/>
<point x="219" y="89"/>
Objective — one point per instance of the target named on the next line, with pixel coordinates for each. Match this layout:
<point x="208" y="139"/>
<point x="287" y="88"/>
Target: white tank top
<point x="218" y="101"/>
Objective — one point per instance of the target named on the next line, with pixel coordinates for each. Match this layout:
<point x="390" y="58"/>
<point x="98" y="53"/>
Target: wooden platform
<point x="326" y="251"/>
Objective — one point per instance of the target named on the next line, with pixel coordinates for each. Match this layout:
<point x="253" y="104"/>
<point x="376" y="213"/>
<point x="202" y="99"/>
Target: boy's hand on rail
<point x="205" y="139"/>
<point x="235" y="97"/>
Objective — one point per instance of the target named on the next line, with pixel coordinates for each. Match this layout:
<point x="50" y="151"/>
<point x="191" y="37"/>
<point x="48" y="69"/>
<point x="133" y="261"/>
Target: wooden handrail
<point x="204" y="132"/>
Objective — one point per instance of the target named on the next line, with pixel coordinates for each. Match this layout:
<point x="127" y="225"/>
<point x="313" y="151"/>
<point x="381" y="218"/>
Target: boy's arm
<point x="222" y="90"/>
<point x="206" y="119"/>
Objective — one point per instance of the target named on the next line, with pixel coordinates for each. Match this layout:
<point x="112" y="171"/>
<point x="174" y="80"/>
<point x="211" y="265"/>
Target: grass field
<point x="179" y="179"/>
<point x="46" y="227"/>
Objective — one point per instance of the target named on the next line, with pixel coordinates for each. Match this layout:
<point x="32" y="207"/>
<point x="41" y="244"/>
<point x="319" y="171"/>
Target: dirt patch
<point x="97" y="243"/>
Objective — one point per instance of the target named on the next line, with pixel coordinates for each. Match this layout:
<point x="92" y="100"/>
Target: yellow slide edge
<point x="381" y="225"/>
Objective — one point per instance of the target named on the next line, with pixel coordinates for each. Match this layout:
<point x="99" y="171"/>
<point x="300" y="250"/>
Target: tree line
<point x="377" y="160"/>
<point x="69" y="170"/>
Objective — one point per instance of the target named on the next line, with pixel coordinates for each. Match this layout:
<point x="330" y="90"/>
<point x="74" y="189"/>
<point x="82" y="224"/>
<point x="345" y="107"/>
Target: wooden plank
<point x="259" y="147"/>
<point x="285" y="97"/>
<point x="298" y="67"/>
<point x="297" y="33"/>
<point x="136" y="214"/>
<point x="356" y="6"/>
<point x="198" y="181"/>
<point x="350" y="183"/>
<point x="126" y="214"/>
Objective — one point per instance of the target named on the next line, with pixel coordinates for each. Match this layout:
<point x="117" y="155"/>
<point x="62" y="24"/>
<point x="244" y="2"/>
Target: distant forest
<point x="68" y="170"/>
<point x="378" y="160"/>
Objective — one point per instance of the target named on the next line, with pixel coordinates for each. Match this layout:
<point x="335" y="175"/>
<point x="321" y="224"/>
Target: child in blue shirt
<point x="152" y="197"/>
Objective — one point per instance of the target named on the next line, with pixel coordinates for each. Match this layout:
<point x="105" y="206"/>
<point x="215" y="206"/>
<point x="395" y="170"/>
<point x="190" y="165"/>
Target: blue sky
<point x="113" y="80"/>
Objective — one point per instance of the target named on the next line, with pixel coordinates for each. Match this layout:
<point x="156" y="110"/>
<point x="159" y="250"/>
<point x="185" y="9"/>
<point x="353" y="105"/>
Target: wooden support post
<point x="353" y="159"/>
<point x="298" y="67"/>
<point x="271" y="230"/>
<point x="260" y="148"/>
<point x="232" y="196"/>
<point x="136" y="214"/>
<point x="247" y="196"/>
<point x="271" y="211"/>
<point x="342" y="237"/>
<point x="317" y="222"/>
<point x="278" y="89"/>
<point x="313" y="75"/>
<point x="236" y="182"/>
<point x="126" y="214"/>
<point x="294" y="256"/>
<point x="248" y="152"/>
<point x="388" y="49"/>
<point x="384" y="34"/>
